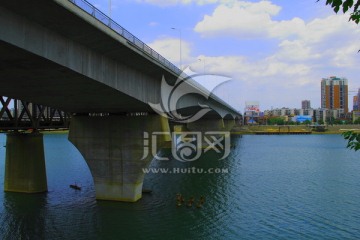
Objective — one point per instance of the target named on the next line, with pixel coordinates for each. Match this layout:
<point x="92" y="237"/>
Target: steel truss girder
<point x="25" y="115"/>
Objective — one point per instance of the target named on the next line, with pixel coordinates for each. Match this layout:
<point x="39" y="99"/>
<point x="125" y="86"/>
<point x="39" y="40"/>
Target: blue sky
<point x="276" y="52"/>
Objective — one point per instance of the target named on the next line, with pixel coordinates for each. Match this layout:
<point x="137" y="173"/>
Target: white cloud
<point x="241" y="68"/>
<point x="321" y="42"/>
<point x="266" y="80"/>
<point x="332" y="26"/>
<point x="286" y="28"/>
<point x="347" y="56"/>
<point x="165" y="3"/>
<point x="296" y="50"/>
<point x="153" y="24"/>
<point x="242" y="19"/>
<point x="246" y="20"/>
<point x="327" y="42"/>
<point x="170" y="49"/>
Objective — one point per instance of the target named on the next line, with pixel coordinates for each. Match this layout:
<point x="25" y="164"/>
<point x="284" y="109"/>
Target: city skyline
<point x="276" y="52"/>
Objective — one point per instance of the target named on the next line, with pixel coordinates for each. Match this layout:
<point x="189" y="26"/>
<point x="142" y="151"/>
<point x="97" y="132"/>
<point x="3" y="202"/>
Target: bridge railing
<point x="136" y="42"/>
<point x="96" y="13"/>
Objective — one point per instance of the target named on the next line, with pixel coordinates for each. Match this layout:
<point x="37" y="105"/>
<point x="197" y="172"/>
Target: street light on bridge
<point x="110" y="8"/>
<point x="178" y="29"/>
<point x="203" y="60"/>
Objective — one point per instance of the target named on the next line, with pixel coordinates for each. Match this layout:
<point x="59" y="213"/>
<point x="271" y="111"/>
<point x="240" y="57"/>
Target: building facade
<point x="320" y="114"/>
<point x="305" y="104"/>
<point x="356" y="103"/>
<point x="334" y="93"/>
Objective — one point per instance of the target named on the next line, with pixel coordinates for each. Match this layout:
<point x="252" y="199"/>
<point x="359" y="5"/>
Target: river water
<point x="271" y="187"/>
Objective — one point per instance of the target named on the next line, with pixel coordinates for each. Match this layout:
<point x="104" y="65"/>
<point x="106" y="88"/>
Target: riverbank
<point x="264" y="129"/>
<point x="294" y="129"/>
<point x="55" y="131"/>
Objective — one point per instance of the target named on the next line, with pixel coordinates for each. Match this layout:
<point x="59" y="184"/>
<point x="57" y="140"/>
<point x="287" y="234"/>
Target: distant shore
<point x="295" y="129"/>
<point x="271" y="129"/>
<point x="55" y="131"/>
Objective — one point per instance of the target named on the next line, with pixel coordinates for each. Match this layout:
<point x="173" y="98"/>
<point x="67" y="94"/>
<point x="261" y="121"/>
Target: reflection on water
<point x="23" y="217"/>
<point x="280" y="187"/>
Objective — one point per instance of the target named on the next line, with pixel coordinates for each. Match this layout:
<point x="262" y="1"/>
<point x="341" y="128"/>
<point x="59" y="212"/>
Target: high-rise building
<point x="356" y="103"/>
<point x="334" y="93"/>
<point x="305" y="104"/>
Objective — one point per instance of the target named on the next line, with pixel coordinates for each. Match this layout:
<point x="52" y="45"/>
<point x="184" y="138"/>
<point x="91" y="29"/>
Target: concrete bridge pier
<point x="211" y="124"/>
<point x="212" y="130"/>
<point x="25" y="163"/>
<point x="229" y="124"/>
<point x="117" y="149"/>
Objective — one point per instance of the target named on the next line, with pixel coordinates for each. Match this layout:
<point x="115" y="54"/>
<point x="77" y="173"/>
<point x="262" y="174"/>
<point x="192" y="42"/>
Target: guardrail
<point x="107" y="21"/>
<point x="136" y="42"/>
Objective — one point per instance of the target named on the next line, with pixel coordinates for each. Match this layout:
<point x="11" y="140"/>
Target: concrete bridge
<point x="68" y="55"/>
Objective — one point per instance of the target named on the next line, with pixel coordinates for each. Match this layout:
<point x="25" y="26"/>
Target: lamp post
<point x="110" y="8"/>
<point x="203" y="60"/>
<point x="178" y="29"/>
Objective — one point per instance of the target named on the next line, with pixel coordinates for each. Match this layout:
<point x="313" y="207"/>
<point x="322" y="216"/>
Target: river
<point x="270" y="187"/>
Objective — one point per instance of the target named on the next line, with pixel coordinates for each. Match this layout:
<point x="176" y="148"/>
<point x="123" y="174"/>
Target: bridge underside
<point x="39" y="80"/>
<point x="57" y="55"/>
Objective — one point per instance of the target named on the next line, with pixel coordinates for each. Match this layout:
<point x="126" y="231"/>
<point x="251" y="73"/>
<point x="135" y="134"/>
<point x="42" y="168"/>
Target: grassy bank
<point x="55" y="131"/>
<point x="330" y="129"/>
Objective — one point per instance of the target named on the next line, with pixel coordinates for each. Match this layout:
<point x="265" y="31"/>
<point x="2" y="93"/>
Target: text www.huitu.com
<point x="191" y="170"/>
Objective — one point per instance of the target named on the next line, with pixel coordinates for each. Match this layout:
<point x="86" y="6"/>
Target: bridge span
<point x="68" y="55"/>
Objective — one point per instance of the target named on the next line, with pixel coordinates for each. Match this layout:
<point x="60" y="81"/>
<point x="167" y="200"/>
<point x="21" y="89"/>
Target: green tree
<point x="353" y="140"/>
<point x="277" y="121"/>
<point x="346" y="5"/>
<point x="320" y="121"/>
<point x="357" y="121"/>
<point x="337" y="121"/>
<point x="291" y="123"/>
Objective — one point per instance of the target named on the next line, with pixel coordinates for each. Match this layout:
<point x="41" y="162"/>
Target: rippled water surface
<point x="277" y="187"/>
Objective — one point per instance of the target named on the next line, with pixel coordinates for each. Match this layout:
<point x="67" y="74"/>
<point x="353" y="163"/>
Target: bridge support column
<point x="180" y="128"/>
<point x="229" y="124"/>
<point x="25" y="163"/>
<point x="215" y="135"/>
<point x="117" y="149"/>
<point x="211" y="125"/>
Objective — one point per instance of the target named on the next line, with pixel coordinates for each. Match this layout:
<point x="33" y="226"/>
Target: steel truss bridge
<point x="17" y="114"/>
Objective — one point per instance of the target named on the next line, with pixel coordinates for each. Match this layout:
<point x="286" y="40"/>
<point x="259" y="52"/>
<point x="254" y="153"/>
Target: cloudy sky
<point x="276" y="52"/>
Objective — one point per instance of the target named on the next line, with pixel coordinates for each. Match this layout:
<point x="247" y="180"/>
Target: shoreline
<point x="260" y="130"/>
<point x="293" y="130"/>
